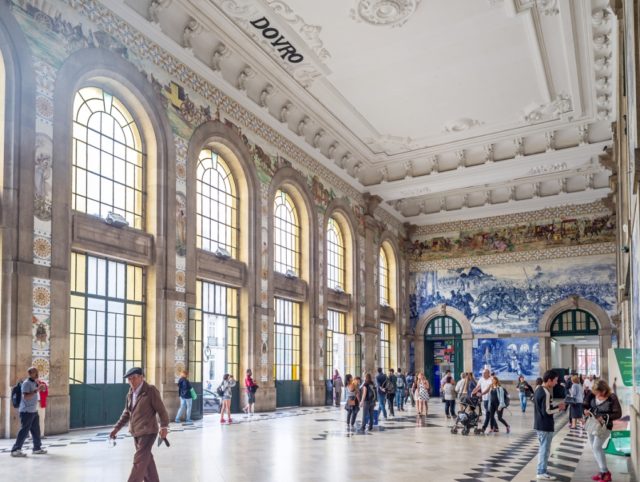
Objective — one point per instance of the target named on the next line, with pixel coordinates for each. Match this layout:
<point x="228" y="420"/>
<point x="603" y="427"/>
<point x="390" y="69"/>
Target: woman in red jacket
<point x="251" y="387"/>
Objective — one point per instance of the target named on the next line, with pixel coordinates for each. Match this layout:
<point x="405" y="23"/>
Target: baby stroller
<point x="468" y="417"/>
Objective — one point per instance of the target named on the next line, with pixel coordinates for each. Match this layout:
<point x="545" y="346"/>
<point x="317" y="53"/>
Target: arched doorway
<point x="442" y="349"/>
<point x="575" y="342"/>
<point x="577" y="336"/>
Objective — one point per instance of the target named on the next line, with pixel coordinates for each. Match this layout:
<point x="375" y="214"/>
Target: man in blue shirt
<point x="29" y="420"/>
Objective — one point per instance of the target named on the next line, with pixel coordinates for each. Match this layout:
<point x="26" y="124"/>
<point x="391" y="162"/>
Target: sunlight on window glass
<point x="108" y="158"/>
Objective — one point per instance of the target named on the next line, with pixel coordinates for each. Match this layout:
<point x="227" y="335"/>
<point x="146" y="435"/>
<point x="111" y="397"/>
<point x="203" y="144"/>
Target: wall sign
<point x="287" y="51"/>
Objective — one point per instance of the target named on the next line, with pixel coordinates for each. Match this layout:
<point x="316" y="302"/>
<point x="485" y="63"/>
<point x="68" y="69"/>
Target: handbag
<point x="593" y="427"/>
<point x="220" y="391"/>
<point x="570" y="399"/>
<point x="193" y="393"/>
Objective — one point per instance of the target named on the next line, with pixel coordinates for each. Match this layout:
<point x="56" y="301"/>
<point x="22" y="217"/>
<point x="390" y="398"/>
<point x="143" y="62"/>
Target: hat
<point x="133" y="371"/>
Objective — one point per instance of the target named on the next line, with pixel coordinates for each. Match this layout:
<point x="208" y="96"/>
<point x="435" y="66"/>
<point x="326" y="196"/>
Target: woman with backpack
<point x="352" y="388"/>
<point x="251" y="387"/>
<point x="601" y="407"/>
<point x="497" y="403"/>
<point x="224" y="390"/>
<point x="367" y="402"/>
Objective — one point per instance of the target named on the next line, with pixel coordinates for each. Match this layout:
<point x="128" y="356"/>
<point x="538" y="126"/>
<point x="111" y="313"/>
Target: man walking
<point x="29" y="420"/>
<point x="141" y="410"/>
<point x="390" y="389"/>
<point x="543" y="421"/>
<point x="483" y="388"/>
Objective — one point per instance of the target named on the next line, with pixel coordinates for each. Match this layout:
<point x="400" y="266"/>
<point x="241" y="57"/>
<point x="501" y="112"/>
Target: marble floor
<point x="311" y="444"/>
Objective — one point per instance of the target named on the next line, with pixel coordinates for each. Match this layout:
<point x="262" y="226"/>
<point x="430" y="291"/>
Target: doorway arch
<point x="575" y="316"/>
<point x="443" y="323"/>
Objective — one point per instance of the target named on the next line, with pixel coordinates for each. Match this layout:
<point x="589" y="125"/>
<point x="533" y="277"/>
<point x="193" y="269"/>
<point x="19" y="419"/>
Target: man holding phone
<point x="543" y="421"/>
<point x="29" y="420"/>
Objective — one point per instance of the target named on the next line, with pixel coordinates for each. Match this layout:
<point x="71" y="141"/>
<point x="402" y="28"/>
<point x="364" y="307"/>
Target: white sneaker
<point x="545" y="477"/>
<point x="18" y="453"/>
<point x="39" y="452"/>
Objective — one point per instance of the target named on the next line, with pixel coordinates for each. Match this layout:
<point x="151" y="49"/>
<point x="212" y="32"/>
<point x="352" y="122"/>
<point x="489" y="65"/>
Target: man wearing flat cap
<point x="143" y="407"/>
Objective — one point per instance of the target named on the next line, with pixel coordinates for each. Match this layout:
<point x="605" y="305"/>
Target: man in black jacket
<point x="543" y="421"/>
<point x="381" y="379"/>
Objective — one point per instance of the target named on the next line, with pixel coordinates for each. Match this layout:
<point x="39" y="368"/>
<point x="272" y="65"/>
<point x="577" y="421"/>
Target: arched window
<point x="443" y="326"/>
<point x="108" y="157"/>
<point x="574" y="322"/>
<point x="217" y="208"/>
<point x="335" y="256"/>
<point x="383" y="277"/>
<point x="286" y="233"/>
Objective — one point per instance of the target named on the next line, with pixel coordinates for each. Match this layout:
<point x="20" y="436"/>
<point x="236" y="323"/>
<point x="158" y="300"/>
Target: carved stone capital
<point x="371" y="203"/>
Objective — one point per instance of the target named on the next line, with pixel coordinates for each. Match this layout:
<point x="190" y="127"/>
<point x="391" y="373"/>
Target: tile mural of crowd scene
<point x="524" y="237"/>
<point x="511" y="298"/>
<point x="507" y="357"/>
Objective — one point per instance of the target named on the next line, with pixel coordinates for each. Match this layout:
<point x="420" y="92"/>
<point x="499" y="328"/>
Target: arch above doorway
<point x="576" y="303"/>
<point x="466" y="336"/>
<point x="606" y="328"/>
<point x="444" y="310"/>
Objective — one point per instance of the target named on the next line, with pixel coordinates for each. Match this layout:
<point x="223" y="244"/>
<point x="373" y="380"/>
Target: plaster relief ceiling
<point x="433" y="105"/>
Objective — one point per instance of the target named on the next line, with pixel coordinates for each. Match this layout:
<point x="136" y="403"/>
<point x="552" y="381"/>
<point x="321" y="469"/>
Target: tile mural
<point x="511" y="298"/>
<point x="507" y="357"/>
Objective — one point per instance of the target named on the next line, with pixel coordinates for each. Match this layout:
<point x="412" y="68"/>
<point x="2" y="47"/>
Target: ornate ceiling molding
<point x="460" y="125"/>
<point x="244" y="12"/>
<point x="392" y="13"/>
<point x="551" y="110"/>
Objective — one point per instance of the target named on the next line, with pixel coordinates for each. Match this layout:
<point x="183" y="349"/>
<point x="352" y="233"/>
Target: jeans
<point x="598" y="452"/>
<point x="352" y="413"/>
<point x="367" y="414"/>
<point x="390" y="397"/>
<point x="543" y="451"/>
<point x="491" y="418"/>
<point x="450" y="408"/>
<point x="185" y="404"/>
<point x="523" y="401"/>
<point x="29" y="422"/>
<point x="400" y="398"/>
<point x="382" y="399"/>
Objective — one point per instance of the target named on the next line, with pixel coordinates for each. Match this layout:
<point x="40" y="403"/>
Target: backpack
<point x="400" y="382"/>
<point x="220" y="391"/>
<point x="389" y="386"/>
<point x="16" y="394"/>
<point x="371" y="394"/>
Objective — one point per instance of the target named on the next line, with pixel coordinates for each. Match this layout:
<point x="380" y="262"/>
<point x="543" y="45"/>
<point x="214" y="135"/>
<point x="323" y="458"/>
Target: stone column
<point x="371" y="329"/>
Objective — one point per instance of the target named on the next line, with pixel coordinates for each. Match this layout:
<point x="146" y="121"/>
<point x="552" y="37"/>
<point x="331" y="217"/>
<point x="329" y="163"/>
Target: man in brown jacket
<point x="143" y="405"/>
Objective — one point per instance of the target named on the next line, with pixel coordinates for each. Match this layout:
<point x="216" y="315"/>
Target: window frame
<point x="130" y="183"/>
<point x="286" y="242"/>
<point x="336" y="255"/>
<point x="229" y="204"/>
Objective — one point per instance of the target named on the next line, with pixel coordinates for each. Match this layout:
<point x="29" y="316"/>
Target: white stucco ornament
<point x="394" y="13"/>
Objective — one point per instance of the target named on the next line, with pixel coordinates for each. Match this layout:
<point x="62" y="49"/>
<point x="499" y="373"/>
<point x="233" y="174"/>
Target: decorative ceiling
<point x="446" y="109"/>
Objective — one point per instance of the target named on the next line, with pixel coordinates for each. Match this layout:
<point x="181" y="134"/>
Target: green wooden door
<point x="287" y="393"/>
<point x="96" y="404"/>
<point x="428" y="362"/>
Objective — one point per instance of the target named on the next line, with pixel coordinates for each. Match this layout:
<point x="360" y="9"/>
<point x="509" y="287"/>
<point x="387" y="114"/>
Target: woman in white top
<point x="449" y="397"/>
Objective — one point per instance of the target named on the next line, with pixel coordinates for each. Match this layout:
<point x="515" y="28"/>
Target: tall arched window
<point x="383" y="278"/>
<point x="217" y="208"/>
<point x="335" y="256"/>
<point x="108" y="157"/>
<point x="286" y="233"/>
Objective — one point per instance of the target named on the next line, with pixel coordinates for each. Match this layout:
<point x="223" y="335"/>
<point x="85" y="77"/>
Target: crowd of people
<point x="592" y="404"/>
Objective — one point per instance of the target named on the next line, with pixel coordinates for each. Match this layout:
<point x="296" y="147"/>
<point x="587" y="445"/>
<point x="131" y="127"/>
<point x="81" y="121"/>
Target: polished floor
<point x="311" y="444"/>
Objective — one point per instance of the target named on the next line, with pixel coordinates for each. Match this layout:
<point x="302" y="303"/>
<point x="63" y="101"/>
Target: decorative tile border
<point x="516" y="257"/>
<point x="570" y="211"/>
